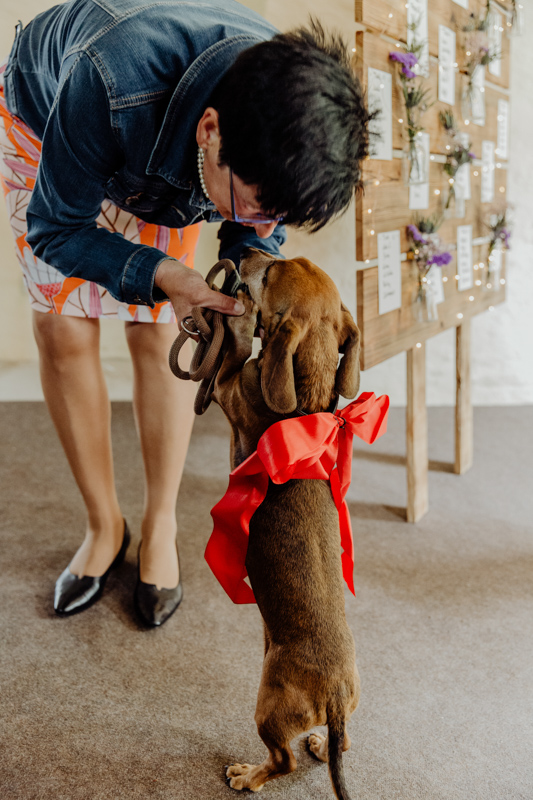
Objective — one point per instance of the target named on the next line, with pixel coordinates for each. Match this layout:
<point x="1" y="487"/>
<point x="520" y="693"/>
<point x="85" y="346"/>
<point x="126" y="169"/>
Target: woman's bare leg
<point x="164" y="415"/>
<point x="76" y="396"/>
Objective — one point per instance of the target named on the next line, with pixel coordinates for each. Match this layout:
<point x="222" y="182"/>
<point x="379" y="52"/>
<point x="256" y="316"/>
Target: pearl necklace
<point x="200" y="161"/>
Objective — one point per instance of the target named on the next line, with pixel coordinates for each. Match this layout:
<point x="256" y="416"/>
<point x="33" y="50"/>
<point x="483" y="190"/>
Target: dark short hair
<point x="293" y="122"/>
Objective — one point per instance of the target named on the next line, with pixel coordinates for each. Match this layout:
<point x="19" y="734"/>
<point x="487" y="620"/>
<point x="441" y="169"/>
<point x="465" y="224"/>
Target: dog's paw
<point x="237" y="777"/>
<point x="243" y="327"/>
<point x="238" y="769"/>
<point x="250" y="308"/>
<point x="317" y="746"/>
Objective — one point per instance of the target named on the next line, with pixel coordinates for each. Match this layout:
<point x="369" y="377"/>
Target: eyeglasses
<point x="258" y="220"/>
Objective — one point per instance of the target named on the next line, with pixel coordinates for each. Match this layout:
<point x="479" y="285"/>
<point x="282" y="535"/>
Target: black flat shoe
<point x="73" y="594"/>
<point x="154" y="606"/>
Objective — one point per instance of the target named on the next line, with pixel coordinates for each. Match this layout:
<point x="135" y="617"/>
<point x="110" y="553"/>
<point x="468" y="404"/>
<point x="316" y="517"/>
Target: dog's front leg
<point x="240" y="336"/>
<point x="228" y="391"/>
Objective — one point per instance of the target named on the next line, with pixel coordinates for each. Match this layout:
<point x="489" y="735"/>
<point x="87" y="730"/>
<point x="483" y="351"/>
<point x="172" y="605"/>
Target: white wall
<point x="502" y="358"/>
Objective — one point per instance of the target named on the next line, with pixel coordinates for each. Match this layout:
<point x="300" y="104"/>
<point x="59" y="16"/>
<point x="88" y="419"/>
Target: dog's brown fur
<point x="294" y="556"/>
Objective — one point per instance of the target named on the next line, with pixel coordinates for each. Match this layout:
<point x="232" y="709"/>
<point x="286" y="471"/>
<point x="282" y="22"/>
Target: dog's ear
<point x="277" y="374"/>
<point x="347" y="380"/>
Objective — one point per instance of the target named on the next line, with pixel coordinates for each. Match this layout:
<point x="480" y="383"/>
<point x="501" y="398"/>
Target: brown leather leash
<point x="209" y="326"/>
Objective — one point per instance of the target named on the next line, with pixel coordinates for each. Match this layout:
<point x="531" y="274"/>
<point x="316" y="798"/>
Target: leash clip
<point x="188" y="325"/>
<point x="207" y="326"/>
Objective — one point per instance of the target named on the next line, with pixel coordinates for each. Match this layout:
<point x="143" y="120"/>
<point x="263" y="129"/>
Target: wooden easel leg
<point x="464" y="419"/>
<point x="417" y="435"/>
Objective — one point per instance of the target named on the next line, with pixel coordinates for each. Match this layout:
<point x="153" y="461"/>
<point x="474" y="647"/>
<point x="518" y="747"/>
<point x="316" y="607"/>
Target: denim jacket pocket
<point x="10" y="74"/>
<point x="131" y="194"/>
<point x="148" y="201"/>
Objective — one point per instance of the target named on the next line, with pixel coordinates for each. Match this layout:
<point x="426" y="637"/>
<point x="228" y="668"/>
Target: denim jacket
<point x="115" y="90"/>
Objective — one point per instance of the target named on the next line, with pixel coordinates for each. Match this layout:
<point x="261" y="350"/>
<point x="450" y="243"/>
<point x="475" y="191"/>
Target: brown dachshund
<point x="294" y="554"/>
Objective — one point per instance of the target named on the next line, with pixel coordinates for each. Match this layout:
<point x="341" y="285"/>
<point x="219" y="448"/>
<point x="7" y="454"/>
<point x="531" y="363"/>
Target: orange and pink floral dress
<point x="49" y="290"/>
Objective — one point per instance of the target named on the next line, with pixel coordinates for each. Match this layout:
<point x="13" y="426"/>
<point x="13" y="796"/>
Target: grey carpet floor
<point x="93" y="708"/>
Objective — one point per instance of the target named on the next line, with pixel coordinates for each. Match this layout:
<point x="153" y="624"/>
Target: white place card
<point x="462" y="183"/>
<point x="495" y="42"/>
<point x="463" y="189"/>
<point x="487" y="172"/>
<point x="464" y="257"/>
<point x="462" y="3"/>
<point x="446" y="65"/>
<point x="380" y="99"/>
<point x="419" y="194"/>
<point x="389" y="271"/>
<point x="502" y="145"/>
<point x="435" y="284"/>
<point x="478" y="96"/>
<point x="417" y="14"/>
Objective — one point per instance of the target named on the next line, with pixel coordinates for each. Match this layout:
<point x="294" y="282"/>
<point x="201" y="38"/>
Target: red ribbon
<point x="312" y="446"/>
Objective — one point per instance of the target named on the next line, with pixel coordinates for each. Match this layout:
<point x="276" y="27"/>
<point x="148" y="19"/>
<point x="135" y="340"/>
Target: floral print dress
<point x="49" y="290"/>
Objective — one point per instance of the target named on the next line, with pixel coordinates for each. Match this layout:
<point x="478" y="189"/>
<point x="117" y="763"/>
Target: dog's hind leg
<point x="318" y="745"/>
<point x="280" y="761"/>
<point x="280" y="716"/>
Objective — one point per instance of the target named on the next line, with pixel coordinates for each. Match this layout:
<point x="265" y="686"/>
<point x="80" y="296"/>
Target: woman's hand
<point x="186" y="288"/>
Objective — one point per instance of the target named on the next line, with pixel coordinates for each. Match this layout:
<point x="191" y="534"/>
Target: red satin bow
<point x="312" y="446"/>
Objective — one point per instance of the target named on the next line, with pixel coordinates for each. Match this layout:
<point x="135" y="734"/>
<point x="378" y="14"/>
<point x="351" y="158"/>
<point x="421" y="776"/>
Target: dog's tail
<point x="336" y="724"/>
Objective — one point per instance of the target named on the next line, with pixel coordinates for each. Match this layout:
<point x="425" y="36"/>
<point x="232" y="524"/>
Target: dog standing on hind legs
<point x="293" y="560"/>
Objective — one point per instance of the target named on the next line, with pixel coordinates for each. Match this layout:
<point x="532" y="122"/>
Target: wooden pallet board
<point x="373" y="52"/>
<point x="388" y="204"/>
<point x="388" y="18"/>
<point x="384" y="206"/>
<point x="386" y="335"/>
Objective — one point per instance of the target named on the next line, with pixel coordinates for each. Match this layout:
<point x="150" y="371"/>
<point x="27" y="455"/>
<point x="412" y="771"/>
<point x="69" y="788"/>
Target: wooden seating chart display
<point x="384" y="206"/>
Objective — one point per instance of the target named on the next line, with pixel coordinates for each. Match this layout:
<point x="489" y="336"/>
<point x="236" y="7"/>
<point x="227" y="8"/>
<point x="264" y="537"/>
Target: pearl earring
<point x="200" y="161"/>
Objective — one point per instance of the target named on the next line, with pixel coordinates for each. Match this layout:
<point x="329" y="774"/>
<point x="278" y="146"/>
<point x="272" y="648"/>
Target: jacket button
<point x="139" y="301"/>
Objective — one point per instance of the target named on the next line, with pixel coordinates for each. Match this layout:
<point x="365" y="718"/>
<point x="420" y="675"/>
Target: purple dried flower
<point x="440" y="259"/>
<point x="408" y="73"/>
<point x="407" y="59"/>
<point x="505" y="235"/>
<point x="472" y="156"/>
<point x="416" y="235"/>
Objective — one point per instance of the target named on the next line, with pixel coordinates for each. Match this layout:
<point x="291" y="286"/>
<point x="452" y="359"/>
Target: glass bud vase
<point x="517" y="19"/>
<point x="492" y="271"/>
<point x="453" y="206"/>
<point x="414" y="170"/>
<point x="473" y="100"/>
<point x="424" y="305"/>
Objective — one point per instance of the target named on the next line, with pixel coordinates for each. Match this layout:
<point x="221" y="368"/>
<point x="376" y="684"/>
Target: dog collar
<point x="331" y="409"/>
